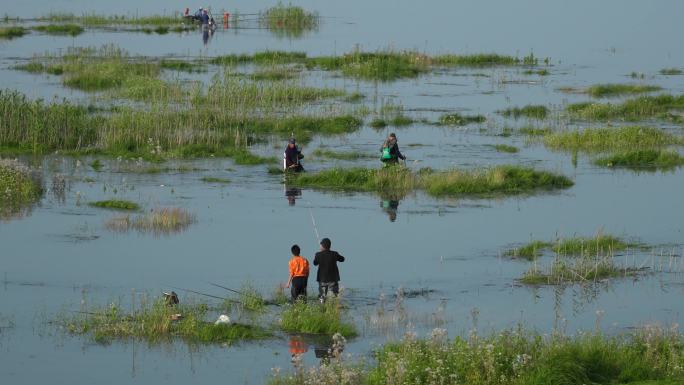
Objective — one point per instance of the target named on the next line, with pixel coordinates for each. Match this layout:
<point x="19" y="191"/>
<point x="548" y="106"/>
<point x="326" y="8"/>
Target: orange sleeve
<point x="293" y="267"/>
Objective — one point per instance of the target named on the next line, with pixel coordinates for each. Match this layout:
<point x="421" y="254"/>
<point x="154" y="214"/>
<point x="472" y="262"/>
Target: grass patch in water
<point x="325" y="153"/>
<point x="565" y="270"/>
<point x="288" y="20"/>
<point x="33" y="67"/>
<point x="601" y="244"/>
<point x="398" y="181"/>
<point x="275" y="74"/>
<point x="642" y="159"/>
<point x="529" y="111"/>
<point x="506" y="148"/>
<point x="648" y="356"/>
<point x="60" y="29"/>
<point x="316" y="318"/>
<point x="93" y="19"/>
<point x="529" y="251"/>
<point x="155" y="323"/>
<point x="381" y="65"/>
<point x="610" y="139"/>
<point x="535" y="131"/>
<point x="213" y="179"/>
<point x="610" y="90"/>
<point x="12" y="32"/>
<point x="160" y="221"/>
<point x="541" y="72"/>
<point x="116" y="205"/>
<point x="481" y="60"/>
<point x="671" y="71"/>
<point x="630" y="110"/>
<point x="181" y="65"/>
<point x="18" y="187"/>
<point x="456" y="119"/>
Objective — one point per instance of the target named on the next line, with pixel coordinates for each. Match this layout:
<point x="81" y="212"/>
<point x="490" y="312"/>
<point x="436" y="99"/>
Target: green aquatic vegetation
<point x="325" y="153"/>
<point x="476" y="60"/>
<point x="529" y="111"/>
<point x="506" y="148"/>
<point x="161" y="30"/>
<point x="534" y="131"/>
<point x="529" y="251"/>
<point x="251" y="299"/>
<point x="610" y="139"/>
<point x="160" y="221"/>
<point x="541" y="72"/>
<point x="18" y="187"/>
<point x="609" y="90"/>
<point x="95" y="20"/>
<point x="378" y="123"/>
<point x="12" y="32"/>
<point x="60" y="29"/>
<point x="642" y="160"/>
<point x="398" y="181"/>
<point x="116" y="204"/>
<point x="33" y="67"/>
<point x="500" y="180"/>
<point x="648" y="356"/>
<point x="213" y="179"/>
<point x="565" y="270"/>
<point x="599" y="245"/>
<point x="289" y="20"/>
<point x="157" y="322"/>
<point x="381" y="65"/>
<point x="456" y="119"/>
<point x="275" y="74"/>
<point x="316" y="318"/>
<point x="671" y="71"/>
<point x="260" y="58"/>
<point x="630" y="110"/>
<point x="181" y="65"/>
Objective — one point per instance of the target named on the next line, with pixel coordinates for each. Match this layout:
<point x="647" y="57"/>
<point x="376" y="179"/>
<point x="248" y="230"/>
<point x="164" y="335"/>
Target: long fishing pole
<point x="245" y="294"/>
<point x="313" y="222"/>
<point x="204" y="294"/>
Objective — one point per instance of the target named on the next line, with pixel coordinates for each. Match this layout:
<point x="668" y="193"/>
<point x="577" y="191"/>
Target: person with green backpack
<point x="390" y="150"/>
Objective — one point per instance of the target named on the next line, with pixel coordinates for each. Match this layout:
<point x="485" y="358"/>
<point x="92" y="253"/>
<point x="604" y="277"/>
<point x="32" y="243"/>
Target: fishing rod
<point x="204" y="294"/>
<point x="245" y="294"/>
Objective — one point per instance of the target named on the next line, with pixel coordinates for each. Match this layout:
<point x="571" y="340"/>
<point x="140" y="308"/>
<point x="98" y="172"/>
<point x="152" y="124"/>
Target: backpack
<point x="386" y="153"/>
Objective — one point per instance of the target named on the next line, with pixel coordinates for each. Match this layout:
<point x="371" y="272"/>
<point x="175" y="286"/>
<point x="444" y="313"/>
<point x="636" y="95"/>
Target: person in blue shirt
<point x="205" y="17"/>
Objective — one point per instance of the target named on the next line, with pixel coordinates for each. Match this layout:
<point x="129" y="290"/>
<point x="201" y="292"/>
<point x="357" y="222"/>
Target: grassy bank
<point x="18" y="187"/>
<point x="157" y="323"/>
<point x="642" y="160"/>
<point x="511" y="357"/>
<point x="398" y="181"/>
<point x="610" y="139"/>
<point x="630" y="110"/>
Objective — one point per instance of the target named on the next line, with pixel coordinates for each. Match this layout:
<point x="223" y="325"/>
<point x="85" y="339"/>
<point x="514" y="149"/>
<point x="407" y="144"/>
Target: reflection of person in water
<point x="390" y="206"/>
<point x="297" y="345"/>
<point x="292" y="193"/>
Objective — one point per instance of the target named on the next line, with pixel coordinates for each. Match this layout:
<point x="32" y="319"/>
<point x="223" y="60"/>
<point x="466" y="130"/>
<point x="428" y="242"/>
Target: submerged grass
<point x="156" y="323"/>
<point x="610" y="139"/>
<point x="213" y="179"/>
<point x="510" y="357"/>
<point x="529" y="111"/>
<point x="398" y="181"/>
<point x="316" y="318"/>
<point x="642" y="160"/>
<point x="630" y="110"/>
<point x="116" y="204"/>
<point x="610" y="90"/>
<point x="60" y="29"/>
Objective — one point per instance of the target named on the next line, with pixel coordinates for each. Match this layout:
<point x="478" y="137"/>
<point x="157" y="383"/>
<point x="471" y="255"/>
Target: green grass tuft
<point x="316" y="318"/>
<point x="601" y="244"/>
<point x="529" y="251"/>
<point x="610" y="90"/>
<point x="456" y="119"/>
<point x="12" y="32"/>
<point x="630" y="110"/>
<point x="60" y="29"/>
<point x="18" y="187"/>
<point x="116" y="205"/>
<point x="671" y="71"/>
<point x="506" y="148"/>
<point x="289" y="21"/>
<point x="530" y="111"/>
<point x="610" y="139"/>
<point x="212" y="179"/>
<point x="643" y="159"/>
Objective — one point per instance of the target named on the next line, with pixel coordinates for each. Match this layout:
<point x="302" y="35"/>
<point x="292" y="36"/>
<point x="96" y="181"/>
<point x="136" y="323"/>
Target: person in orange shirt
<point x="299" y="275"/>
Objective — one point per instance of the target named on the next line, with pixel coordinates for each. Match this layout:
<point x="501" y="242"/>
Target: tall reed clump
<point x="642" y="160"/>
<point x="156" y="322"/>
<point x="289" y="21"/>
<point x="159" y="221"/>
<point x="625" y="138"/>
<point x="630" y="110"/>
<point x="316" y="318"/>
<point x="18" y="187"/>
<point x="511" y="357"/>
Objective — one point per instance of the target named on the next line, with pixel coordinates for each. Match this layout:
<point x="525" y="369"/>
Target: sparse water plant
<point x="671" y="71"/>
<point x="18" y="187"/>
<point x="316" y="318"/>
<point x="611" y="90"/>
<point x="116" y="204"/>
<point x="159" y="221"/>
<point x="630" y="110"/>
<point x="506" y="148"/>
<point x="456" y="119"/>
<point x="216" y="180"/>
<point x="529" y="111"/>
<point x="12" y="32"/>
<point x="642" y="160"/>
<point x="289" y="20"/>
<point x="60" y="29"/>
<point x="606" y="139"/>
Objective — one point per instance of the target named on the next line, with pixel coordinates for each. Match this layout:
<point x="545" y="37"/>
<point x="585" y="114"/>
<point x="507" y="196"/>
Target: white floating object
<point x="222" y="320"/>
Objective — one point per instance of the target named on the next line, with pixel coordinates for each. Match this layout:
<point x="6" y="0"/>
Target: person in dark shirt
<point x="292" y="157"/>
<point x="390" y="150"/>
<point x="204" y="18"/>
<point x="328" y="275"/>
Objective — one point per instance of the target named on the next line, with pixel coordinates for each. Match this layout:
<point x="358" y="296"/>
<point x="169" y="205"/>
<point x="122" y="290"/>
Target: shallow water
<point x="61" y="253"/>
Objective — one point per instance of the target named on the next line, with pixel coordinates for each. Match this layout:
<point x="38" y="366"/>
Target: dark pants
<point x="325" y="287"/>
<point x="298" y="288"/>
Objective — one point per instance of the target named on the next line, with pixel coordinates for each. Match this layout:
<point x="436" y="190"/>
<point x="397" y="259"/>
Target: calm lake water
<point x="60" y="254"/>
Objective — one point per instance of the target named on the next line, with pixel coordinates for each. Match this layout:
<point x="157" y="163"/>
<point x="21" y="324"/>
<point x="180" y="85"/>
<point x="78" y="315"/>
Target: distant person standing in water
<point x="390" y="150"/>
<point x="292" y="157"/>
<point x="328" y="275"/>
